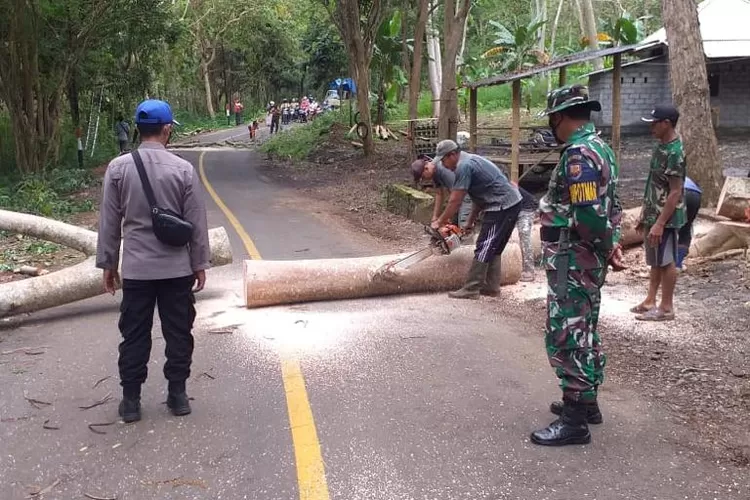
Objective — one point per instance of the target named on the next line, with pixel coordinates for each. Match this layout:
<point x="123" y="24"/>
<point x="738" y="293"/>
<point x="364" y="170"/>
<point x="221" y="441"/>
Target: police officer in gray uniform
<point x="154" y="273"/>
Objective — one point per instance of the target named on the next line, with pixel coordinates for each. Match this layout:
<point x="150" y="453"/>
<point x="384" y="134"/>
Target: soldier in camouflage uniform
<point x="580" y="216"/>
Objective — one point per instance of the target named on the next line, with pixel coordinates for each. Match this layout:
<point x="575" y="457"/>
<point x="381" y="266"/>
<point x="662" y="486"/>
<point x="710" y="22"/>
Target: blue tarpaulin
<point x="345" y="84"/>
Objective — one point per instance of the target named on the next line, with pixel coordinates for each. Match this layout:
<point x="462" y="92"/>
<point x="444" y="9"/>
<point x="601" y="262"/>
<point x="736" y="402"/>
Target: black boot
<point x="477" y="277"/>
<point x="491" y="287"/>
<point x="130" y="409"/>
<point x="178" y="400"/>
<point x="570" y="428"/>
<point x="593" y="414"/>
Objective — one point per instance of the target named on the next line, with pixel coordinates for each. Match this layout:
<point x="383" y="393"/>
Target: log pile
<point x="73" y="283"/>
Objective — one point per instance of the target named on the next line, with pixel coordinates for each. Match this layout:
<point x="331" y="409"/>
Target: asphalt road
<point x="411" y="397"/>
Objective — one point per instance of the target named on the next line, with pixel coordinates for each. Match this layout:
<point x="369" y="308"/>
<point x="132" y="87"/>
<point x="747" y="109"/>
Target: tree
<point x="589" y="29"/>
<point x="415" y="78"/>
<point x="687" y="66"/>
<point x="454" y="17"/>
<point x="358" y="23"/>
<point x="45" y="41"/>
<point x="434" y="63"/>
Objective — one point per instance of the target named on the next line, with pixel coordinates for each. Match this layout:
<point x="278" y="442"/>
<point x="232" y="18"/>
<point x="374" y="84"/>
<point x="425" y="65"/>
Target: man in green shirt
<point x="662" y="213"/>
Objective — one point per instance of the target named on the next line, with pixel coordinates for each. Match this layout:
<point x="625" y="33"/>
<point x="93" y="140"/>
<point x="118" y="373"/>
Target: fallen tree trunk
<point x="77" y="282"/>
<point x="628" y="235"/>
<point x="268" y="283"/>
<point x="735" y="198"/>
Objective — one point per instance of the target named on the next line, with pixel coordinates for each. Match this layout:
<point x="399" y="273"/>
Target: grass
<point x="298" y="142"/>
<point x="191" y="123"/>
<point x="47" y="194"/>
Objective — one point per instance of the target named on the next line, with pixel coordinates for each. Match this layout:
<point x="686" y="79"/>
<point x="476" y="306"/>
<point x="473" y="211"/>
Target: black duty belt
<point x="552" y="234"/>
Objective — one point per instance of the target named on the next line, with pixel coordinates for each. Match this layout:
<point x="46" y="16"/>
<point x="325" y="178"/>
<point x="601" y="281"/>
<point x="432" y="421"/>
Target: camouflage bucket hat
<point x="567" y="97"/>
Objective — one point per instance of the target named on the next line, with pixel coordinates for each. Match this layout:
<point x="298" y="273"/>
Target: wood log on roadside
<point x="719" y="239"/>
<point x="73" y="283"/>
<point x="735" y="198"/>
<point x="268" y="283"/>
<point x="628" y="235"/>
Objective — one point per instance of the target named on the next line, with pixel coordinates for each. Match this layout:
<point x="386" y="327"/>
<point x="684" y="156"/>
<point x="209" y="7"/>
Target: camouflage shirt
<point x="582" y="196"/>
<point x="668" y="160"/>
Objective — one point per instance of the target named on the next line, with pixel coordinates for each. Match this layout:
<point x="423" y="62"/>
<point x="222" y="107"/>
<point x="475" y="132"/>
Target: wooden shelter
<point x="560" y="65"/>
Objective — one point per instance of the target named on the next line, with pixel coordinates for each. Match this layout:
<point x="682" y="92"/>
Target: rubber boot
<point x="570" y="428"/>
<point x="491" y="287"/>
<point x="474" y="283"/>
<point x="593" y="414"/>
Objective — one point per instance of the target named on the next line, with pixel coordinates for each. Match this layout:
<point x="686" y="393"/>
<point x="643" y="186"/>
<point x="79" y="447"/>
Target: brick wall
<point x="643" y="85"/>
<point x="646" y="84"/>
<point x="733" y="100"/>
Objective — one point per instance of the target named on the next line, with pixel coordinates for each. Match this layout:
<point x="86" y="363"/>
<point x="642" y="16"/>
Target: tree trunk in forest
<point x="553" y="39"/>
<point x="405" y="57"/>
<point x="687" y="66"/>
<point x="415" y="78"/>
<point x="435" y="63"/>
<point x="590" y="29"/>
<point x="455" y="14"/>
<point x="207" y="89"/>
<point x="358" y="30"/>
<point x="268" y="283"/>
<point x="540" y="15"/>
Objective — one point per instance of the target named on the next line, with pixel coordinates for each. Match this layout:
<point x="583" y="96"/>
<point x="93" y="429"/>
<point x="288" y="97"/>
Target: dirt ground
<point x="697" y="366"/>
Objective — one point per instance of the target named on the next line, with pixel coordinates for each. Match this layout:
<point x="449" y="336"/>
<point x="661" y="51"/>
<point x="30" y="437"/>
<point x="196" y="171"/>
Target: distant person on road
<point x="692" y="205"/>
<point x="122" y="130"/>
<point x="153" y="272"/>
<point x="662" y="214"/>
<point x="491" y="194"/>
<point x="275" y="118"/>
<point x="238" y="107"/>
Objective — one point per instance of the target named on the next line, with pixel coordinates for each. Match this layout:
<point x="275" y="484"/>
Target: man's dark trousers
<point x="497" y="226"/>
<point x="177" y="312"/>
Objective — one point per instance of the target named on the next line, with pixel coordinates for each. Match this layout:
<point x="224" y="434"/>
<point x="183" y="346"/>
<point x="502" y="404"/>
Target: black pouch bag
<point x="168" y="227"/>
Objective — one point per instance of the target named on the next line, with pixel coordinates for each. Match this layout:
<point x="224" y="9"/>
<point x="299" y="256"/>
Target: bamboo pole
<point x="616" y="104"/>
<point x="473" y="119"/>
<point x="516" y="132"/>
<point x="563" y="76"/>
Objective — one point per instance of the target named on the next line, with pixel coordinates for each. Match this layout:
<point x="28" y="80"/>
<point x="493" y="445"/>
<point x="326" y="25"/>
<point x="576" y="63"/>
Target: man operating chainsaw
<point x="424" y="172"/>
<point x="492" y="194"/>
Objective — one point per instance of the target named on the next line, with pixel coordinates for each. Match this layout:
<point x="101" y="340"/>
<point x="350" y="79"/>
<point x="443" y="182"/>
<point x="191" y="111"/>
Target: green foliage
<point x="624" y="30"/>
<point x="47" y="194"/>
<point x="298" y="142"/>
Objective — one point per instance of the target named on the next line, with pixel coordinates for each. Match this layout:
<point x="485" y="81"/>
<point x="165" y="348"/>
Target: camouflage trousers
<point x="573" y="344"/>
<point x="525" y="224"/>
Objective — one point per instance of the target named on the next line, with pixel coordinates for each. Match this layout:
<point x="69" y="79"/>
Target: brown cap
<point x="417" y="169"/>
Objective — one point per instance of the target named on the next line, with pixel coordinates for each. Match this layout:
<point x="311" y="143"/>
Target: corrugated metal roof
<point x="631" y="63"/>
<point x="578" y="57"/>
<point x="724" y="28"/>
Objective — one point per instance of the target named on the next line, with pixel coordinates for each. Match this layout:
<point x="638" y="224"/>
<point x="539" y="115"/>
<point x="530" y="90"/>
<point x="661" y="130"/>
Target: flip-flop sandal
<point x="655" y="314"/>
<point x="640" y="309"/>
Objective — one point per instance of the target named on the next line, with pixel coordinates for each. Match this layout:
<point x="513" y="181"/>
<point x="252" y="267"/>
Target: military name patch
<point x="583" y="193"/>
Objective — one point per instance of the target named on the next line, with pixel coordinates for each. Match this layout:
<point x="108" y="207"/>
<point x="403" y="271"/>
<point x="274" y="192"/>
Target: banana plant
<point x="386" y="61"/>
<point x="625" y="30"/>
<point x="514" y="51"/>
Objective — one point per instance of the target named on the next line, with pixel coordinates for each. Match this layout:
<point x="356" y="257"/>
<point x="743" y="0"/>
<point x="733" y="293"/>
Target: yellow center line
<point x="311" y="476"/>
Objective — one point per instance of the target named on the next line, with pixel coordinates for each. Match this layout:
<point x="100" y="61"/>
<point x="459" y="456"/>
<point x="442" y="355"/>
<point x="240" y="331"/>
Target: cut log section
<point x="268" y="283"/>
<point x="735" y="198"/>
<point x="77" y="282"/>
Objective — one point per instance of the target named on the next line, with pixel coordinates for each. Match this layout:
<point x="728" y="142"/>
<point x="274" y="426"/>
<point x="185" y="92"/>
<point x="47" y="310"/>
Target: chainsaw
<point x="442" y="242"/>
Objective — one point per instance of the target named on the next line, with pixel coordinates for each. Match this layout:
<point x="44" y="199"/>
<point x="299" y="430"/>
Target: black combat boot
<point x="130" y="410"/>
<point x="593" y="414"/>
<point x="570" y="428"/>
<point x="474" y="283"/>
<point x="491" y="287"/>
<point x="177" y="400"/>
